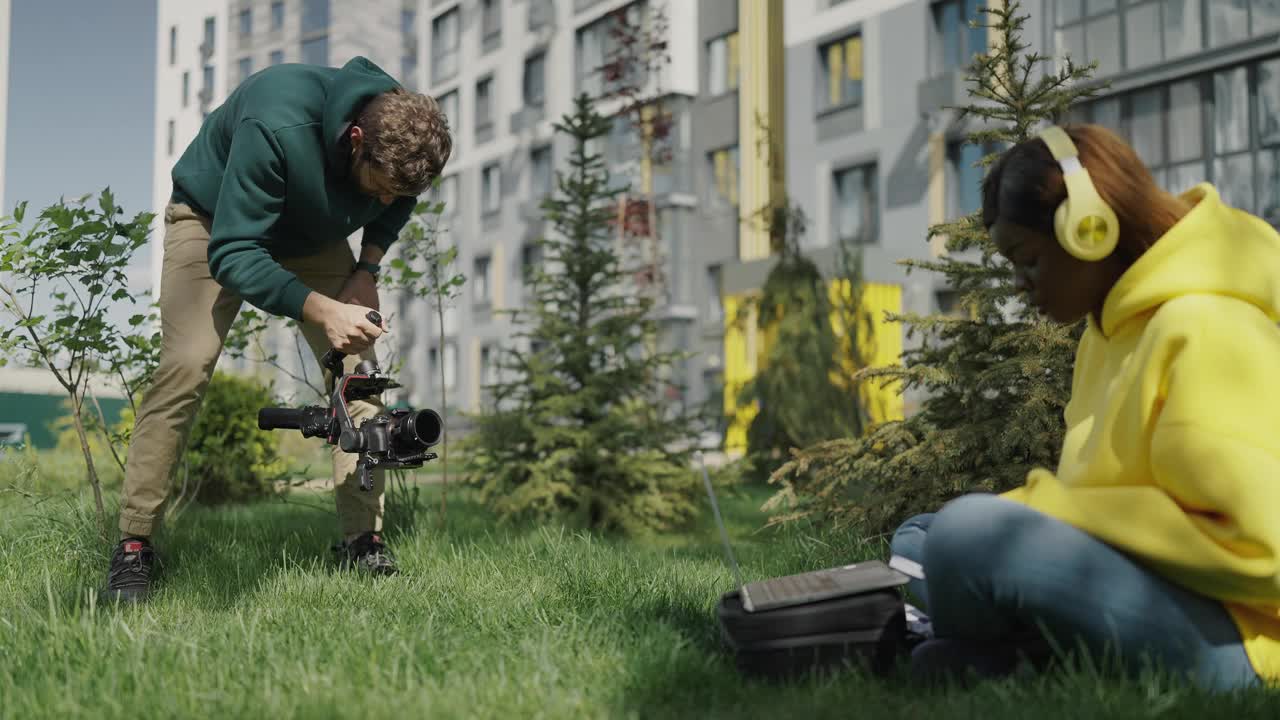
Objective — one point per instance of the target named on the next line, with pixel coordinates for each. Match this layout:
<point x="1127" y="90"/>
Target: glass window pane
<point x="1228" y="21"/>
<point x="975" y="38"/>
<point x="1104" y="43"/>
<point x="1233" y="177"/>
<point x="1142" y="45"/>
<point x="1070" y="43"/>
<point x="1107" y="114"/>
<point x="1266" y="16"/>
<point x="946" y="20"/>
<point x="1269" y="185"/>
<point x="1181" y="27"/>
<point x="1185" y="176"/>
<point x="717" y="65"/>
<point x="1146" y="126"/>
<point x="277" y="57"/>
<point x="1269" y="102"/>
<point x="277" y="15"/>
<point x="1069" y="10"/>
<point x="1161" y="177"/>
<point x="316" y="51"/>
<point x="1231" y="110"/>
<point x="315" y="15"/>
<point x="1100" y="6"/>
<point x="1186" y="137"/>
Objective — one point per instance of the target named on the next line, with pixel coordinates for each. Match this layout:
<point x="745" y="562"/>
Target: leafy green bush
<point x="228" y="459"/>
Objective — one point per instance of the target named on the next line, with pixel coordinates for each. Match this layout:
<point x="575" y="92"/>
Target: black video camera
<point x="399" y="439"/>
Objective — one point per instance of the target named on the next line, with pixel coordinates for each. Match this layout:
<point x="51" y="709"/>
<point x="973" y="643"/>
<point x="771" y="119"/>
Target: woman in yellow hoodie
<point x="1157" y="537"/>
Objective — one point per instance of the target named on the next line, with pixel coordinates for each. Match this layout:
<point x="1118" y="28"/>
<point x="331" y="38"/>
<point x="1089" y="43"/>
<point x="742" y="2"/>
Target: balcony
<point x="940" y="91"/>
<point x="206" y="51"/>
<point x="526" y="118"/>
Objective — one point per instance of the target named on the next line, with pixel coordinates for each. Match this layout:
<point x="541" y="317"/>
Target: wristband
<point x="371" y="268"/>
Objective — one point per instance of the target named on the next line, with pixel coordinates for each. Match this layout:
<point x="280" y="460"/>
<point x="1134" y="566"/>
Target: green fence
<point x="34" y="416"/>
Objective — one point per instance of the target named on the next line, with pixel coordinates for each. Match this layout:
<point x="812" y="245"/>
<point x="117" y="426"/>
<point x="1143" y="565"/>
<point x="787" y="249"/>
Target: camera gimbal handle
<point x="348" y="439"/>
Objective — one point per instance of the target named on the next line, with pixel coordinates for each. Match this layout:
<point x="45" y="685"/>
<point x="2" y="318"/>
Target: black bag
<point x="866" y="629"/>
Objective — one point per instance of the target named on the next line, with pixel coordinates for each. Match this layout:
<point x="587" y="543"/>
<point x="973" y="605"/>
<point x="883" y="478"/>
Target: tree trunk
<point x="76" y="404"/>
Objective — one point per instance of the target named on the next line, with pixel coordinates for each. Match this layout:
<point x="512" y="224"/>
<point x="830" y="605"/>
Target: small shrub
<point x="228" y="458"/>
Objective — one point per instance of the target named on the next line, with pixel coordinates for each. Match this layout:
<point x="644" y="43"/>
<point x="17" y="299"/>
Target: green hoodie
<point x="271" y="166"/>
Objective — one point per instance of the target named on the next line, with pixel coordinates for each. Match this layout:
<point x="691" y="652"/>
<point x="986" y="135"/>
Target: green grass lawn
<point x="253" y="621"/>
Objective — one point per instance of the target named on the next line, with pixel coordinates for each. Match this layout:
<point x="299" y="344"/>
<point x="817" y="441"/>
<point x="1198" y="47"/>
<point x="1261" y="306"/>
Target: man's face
<point x="370" y="180"/>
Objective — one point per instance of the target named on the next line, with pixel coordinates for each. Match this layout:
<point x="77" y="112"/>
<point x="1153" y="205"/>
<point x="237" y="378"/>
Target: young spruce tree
<point x="806" y="390"/>
<point x="996" y="376"/>
<point x="574" y="429"/>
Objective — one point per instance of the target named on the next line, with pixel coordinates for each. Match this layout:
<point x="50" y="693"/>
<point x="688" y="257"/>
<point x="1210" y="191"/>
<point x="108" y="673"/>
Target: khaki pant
<point x="196" y="313"/>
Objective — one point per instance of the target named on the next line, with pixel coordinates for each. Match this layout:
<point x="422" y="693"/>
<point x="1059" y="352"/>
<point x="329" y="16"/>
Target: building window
<point x="444" y="46"/>
<point x="186" y="88"/>
<point x="1155" y="31"/>
<point x="277" y="57"/>
<point x="724" y="173"/>
<point x="841" y="73"/>
<point x="206" y="88"/>
<point x="315" y="15"/>
<point x="246" y="24"/>
<point x="480" y="291"/>
<point x="856" y="205"/>
<point x="715" y="293"/>
<point x="173" y="45"/>
<point x="210" y="34"/>
<point x="449" y="106"/>
<point x="245" y="68"/>
<point x="447" y="193"/>
<point x="530" y="261"/>
<point x="491" y="188"/>
<point x="169" y="143"/>
<point x="535" y="80"/>
<point x="408" y="21"/>
<point x="541" y="175"/>
<point x="722" y="64"/>
<point x="596" y="45"/>
<point x="954" y="42"/>
<point x="316" y="51"/>
<point x="1201" y="128"/>
<point x="965" y="181"/>
<point x="488" y="366"/>
<point x="277" y="16"/>
<point x="484" y="106"/>
<point x="491" y="22"/>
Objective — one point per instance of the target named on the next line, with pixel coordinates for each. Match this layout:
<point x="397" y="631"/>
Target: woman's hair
<point x="1025" y="186"/>
<point x="406" y="136"/>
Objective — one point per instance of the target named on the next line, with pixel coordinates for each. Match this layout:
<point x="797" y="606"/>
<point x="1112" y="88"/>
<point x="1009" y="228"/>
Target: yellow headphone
<point x="1085" y="225"/>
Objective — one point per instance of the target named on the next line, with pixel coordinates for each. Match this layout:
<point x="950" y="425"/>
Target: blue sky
<point x="81" y="102"/>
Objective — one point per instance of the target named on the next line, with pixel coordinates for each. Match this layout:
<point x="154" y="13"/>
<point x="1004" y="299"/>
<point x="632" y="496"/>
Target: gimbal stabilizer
<point x="398" y="439"/>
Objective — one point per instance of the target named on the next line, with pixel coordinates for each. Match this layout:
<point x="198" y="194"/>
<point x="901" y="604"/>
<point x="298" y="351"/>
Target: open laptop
<point x="811" y="586"/>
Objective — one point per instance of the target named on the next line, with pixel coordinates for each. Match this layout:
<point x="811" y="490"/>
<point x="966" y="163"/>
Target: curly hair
<point x="406" y="137"/>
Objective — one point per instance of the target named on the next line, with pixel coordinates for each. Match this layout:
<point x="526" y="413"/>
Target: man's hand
<point x="361" y="289"/>
<point x="345" y="325"/>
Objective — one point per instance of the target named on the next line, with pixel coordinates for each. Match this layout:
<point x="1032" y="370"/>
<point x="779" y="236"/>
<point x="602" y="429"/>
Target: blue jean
<point x="996" y="570"/>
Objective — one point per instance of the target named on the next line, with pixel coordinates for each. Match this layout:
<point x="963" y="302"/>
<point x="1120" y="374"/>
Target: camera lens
<point x="417" y="431"/>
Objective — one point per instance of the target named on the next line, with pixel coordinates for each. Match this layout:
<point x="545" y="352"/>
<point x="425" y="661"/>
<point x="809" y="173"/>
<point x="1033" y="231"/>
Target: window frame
<point x="822" y="97"/>
<point x="870" y="187"/>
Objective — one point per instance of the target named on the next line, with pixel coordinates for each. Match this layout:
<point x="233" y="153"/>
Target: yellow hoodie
<point x="1172" y="451"/>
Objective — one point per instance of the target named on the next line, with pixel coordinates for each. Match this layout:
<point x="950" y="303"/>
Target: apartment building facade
<point x="854" y="89"/>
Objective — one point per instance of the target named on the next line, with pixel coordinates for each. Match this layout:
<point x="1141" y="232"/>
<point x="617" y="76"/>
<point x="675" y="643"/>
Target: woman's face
<point x="1057" y="283"/>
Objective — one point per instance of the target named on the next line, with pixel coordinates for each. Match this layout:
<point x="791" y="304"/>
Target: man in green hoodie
<point x="296" y="160"/>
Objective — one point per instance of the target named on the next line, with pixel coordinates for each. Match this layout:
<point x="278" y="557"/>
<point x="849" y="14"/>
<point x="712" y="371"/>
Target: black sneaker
<point x="366" y="553"/>
<point x="133" y="568"/>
